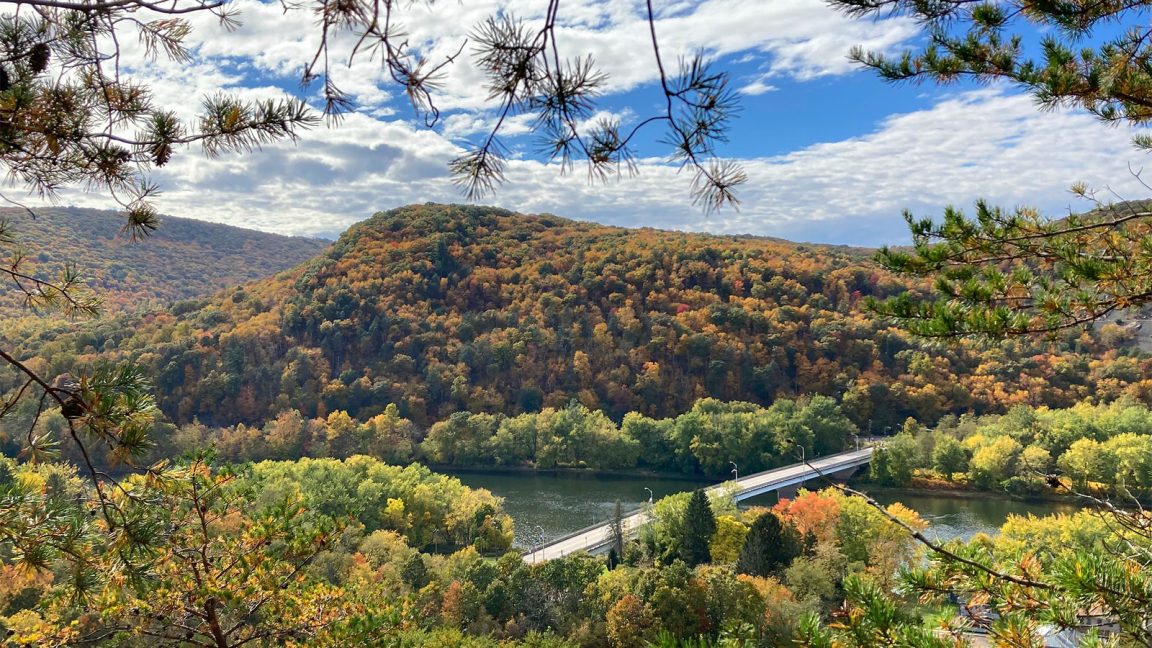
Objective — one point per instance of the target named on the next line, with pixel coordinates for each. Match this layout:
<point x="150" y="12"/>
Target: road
<point x="598" y="536"/>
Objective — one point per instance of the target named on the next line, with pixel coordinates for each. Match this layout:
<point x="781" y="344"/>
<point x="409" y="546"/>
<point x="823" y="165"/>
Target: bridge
<point x="598" y="537"/>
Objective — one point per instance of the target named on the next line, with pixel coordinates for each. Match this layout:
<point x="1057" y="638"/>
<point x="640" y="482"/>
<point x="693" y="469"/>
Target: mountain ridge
<point x="449" y="308"/>
<point x="183" y="258"/>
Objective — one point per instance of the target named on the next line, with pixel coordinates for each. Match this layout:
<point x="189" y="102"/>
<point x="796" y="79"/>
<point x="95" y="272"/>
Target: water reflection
<point x="963" y="518"/>
<point x="561" y="504"/>
<point x="555" y="505"/>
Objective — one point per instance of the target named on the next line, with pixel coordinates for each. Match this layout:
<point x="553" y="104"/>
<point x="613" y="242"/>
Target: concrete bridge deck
<point x="598" y="537"/>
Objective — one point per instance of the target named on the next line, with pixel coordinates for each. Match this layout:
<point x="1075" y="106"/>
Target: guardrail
<point x="756" y="490"/>
<point x="587" y="529"/>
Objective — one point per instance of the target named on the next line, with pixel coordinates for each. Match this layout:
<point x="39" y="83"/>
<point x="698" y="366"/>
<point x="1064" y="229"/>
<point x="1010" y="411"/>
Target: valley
<point x="549" y="369"/>
<point x="662" y="324"/>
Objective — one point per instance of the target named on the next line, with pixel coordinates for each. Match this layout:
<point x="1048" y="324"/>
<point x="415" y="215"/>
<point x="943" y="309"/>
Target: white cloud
<point x="797" y="38"/>
<point x="757" y="87"/>
<point x="977" y="144"/>
<point x="980" y="144"/>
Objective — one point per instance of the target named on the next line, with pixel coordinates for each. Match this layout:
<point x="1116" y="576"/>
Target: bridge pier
<point x="845" y="474"/>
<point x="787" y="492"/>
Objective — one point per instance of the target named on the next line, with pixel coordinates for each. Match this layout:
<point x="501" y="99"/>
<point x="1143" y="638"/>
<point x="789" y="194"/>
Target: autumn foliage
<point x="442" y="309"/>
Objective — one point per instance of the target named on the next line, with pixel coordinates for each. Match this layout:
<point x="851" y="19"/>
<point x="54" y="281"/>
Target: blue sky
<point x="833" y="153"/>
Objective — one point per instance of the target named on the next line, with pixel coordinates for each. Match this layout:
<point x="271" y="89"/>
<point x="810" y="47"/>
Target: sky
<point x="832" y="153"/>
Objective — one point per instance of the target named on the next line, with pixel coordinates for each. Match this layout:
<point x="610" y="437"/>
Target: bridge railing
<point x="591" y="527"/>
<point x="627" y="514"/>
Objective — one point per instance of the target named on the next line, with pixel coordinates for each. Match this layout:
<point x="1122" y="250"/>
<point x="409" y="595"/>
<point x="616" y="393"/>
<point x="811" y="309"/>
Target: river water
<point x="555" y="505"/>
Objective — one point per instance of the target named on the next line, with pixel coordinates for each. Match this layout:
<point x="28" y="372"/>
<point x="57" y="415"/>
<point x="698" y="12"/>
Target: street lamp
<point x="649" y="495"/>
<point x="539" y="541"/>
<point x="735" y="471"/>
<point x="857" y="437"/>
<point x="798" y="445"/>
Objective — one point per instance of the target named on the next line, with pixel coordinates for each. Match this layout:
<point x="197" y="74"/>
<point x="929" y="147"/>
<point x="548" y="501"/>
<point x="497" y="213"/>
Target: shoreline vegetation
<point x="929" y="488"/>
<point x="1029" y="453"/>
<point x="698" y="443"/>
<point x="1090" y="450"/>
<point x="570" y="471"/>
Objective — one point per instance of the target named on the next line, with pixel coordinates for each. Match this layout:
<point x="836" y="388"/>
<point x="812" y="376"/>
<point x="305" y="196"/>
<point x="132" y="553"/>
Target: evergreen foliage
<point x="1014" y="271"/>
<point x="698" y="527"/>
<point x="769" y="547"/>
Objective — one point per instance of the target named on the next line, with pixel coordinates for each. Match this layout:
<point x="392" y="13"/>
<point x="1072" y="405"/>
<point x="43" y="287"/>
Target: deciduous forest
<point x="445" y="309"/>
<point x="214" y="438"/>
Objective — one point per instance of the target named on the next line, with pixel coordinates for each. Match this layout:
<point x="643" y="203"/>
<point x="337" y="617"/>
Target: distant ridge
<point x="441" y="309"/>
<point x="183" y="258"/>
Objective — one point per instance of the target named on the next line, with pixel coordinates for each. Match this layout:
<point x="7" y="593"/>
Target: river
<point x="555" y="505"/>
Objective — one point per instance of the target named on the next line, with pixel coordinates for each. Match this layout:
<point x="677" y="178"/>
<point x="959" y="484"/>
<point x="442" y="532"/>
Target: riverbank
<point x="953" y="490"/>
<point x="920" y="486"/>
<point x="590" y="473"/>
<point x="552" y="505"/>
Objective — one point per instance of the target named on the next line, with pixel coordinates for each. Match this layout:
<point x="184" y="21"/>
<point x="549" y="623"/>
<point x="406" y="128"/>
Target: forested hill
<point x="441" y="309"/>
<point x="183" y="258"/>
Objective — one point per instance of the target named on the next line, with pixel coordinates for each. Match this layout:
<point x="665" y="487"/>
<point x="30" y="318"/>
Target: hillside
<point x="183" y="258"/>
<point x="441" y="309"/>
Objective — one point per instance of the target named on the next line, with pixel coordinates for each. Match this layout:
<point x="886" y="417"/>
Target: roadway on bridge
<point x="598" y="536"/>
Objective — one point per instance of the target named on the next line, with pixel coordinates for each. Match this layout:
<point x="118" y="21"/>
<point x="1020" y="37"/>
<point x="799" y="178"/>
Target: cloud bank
<point x="985" y="143"/>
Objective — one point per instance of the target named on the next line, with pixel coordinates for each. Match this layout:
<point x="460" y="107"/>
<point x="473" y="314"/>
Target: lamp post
<point x="857" y="437"/>
<point x="649" y="495"/>
<point x="799" y="445"/>
<point x="539" y="541"/>
<point x="735" y="471"/>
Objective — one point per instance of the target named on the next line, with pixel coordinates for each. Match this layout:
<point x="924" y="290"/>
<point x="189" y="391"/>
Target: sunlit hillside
<point x="182" y="258"/>
<point x="439" y="309"/>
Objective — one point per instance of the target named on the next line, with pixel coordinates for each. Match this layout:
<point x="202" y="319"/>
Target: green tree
<point x="697" y="529"/>
<point x="769" y="547"/>
<point x="830" y="428"/>
<point x="894" y="463"/>
<point x="728" y="539"/>
<point x="949" y="457"/>
<point x="995" y="462"/>
<point x="818" y="577"/>
<point x="415" y="572"/>
<point x="1011" y="272"/>
<point x="1085" y="461"/>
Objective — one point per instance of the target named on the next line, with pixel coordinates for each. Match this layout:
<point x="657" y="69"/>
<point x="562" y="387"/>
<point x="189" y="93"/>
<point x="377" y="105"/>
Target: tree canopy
<point x="1015" y="271"/>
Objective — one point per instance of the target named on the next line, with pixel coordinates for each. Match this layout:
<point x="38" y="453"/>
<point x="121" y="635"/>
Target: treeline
<point x="1091" y="448"/>
<point x="433" y="512"/>
<point x="701" y="441"/>
<point x="329" y="552"/>
<point x="447" y="309"/>
<point x="182" y="259"/>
